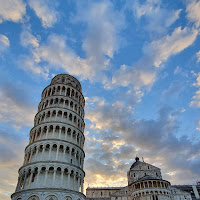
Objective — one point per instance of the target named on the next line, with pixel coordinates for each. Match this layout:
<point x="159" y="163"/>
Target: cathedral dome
<point x="137" y="161"/>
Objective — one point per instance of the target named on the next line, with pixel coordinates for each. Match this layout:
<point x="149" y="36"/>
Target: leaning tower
<point x="53" y="162"/>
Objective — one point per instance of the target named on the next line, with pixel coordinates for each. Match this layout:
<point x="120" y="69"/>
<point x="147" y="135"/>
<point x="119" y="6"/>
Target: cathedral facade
<point x="54" y="157"/>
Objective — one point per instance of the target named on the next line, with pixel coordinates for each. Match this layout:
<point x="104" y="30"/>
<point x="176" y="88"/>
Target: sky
<point x="138" y="63"/>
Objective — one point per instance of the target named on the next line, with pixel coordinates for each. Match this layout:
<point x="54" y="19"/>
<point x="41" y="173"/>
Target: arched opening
<point x="54" y="113"/>
<point x="68" y="92"/>
<point x="69" y="131"/>
<point x="72" y="93"/>
<point x="65" y="115"/>
<point x="59" y="113"/>
<point x="61" y="101"/>
<point x="71" y="104"/>
<point x="75" y="120"/>
<point x="66" y="102"/>
<point x="51" y="129"/>
<point x="70" y="117"/>
<point x="63" y="89"/>
<point x="58" y="89"/>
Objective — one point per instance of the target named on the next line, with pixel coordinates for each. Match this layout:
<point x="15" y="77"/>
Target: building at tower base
<point x="144" y="183"/>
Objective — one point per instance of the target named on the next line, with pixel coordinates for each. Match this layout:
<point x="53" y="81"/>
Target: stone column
<point x="57" y="152"/>
<point x="74" y="182"/>
<point x="45" y="178"/>
<point x="25" y="176"/>
<point x="31" y="156"/>
<point x="41" y="134"/>
<point x="71" y="136"/>
<point x="31" y="176"/>
<point x="54" y="175"/>
<point x="64" y="152"/>
<point x="47" y="132"/>
<point x="59" y="132"/>
<point x="50" y="151"/>
<point x="53" y="133"/>
<point x="68" y="181"/>
<point x="36" y="153"/>
<point x="78" y="183"/>
<point x="82" y="186"/>
<point x="61" y="180"/>
<point x="43" y="149"/>
<point x="76" y="139"/>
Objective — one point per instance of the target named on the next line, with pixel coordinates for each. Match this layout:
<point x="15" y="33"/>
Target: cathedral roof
<point x="137" y="162"/>
<point x="147" y="177"/>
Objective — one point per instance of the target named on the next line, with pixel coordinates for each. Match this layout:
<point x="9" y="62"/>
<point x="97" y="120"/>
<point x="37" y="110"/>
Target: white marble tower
<point x="53" y="162"/>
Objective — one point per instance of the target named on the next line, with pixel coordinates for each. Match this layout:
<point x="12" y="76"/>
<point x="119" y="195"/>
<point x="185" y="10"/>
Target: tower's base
<point x="47" y="194"/>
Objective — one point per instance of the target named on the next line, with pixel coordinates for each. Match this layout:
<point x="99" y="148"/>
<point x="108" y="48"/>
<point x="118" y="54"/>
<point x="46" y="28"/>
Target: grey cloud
<point x="12" y="146"/>
<point x="17" y="93"/>
<point x="155" y="139"/>
<point x="6" y="153"/>
<point x="16" y="106"/>
<point x="126" y="152"/>
<point x="99" y="168"/>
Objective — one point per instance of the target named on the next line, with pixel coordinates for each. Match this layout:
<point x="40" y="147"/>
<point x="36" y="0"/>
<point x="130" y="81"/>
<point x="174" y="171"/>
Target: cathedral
<point x="54" y="157"/>
<point x="144" y="183"/>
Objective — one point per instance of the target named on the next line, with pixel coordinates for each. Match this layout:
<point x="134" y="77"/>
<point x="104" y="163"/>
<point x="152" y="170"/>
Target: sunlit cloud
<point x="143" y="73"/>
<point x="4" y="43"/>
<point x="12" y="10"/>
<point x="45" y="11"/>
<point x="193" y="12"/>
<point x="195" y="102"/>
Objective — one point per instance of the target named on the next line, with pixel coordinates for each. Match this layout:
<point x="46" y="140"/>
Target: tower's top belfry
<point x="54" y="157"/>
<point x="67" y="79"/>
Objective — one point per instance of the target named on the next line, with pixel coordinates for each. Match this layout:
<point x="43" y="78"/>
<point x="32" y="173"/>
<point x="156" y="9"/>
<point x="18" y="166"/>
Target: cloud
<point x="198" y="125"/>
<point x="28" y="39"/>
<point x="157" y="140"/>
<point x="139" y="75"/>
<point x="157" y="18"/>
<point x="102" y="37"/>
<point x="173" y="91"/>
<point x="4" y="43"/>
<point x="59" y="55"/>
<point x="143" y="73"/>
<point x="12" y="10"/>
<point x="12" y="146"/>
<point x="170" y="45"/>
<point x="198" y="56"/>
<point x="101" y="40"/>
<point x="193" y="12"/>
<point x="14" y="109"/>
<point x="196" y="98"/>
<point x="45" y="11"/>
<point x="103" y="162"/>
